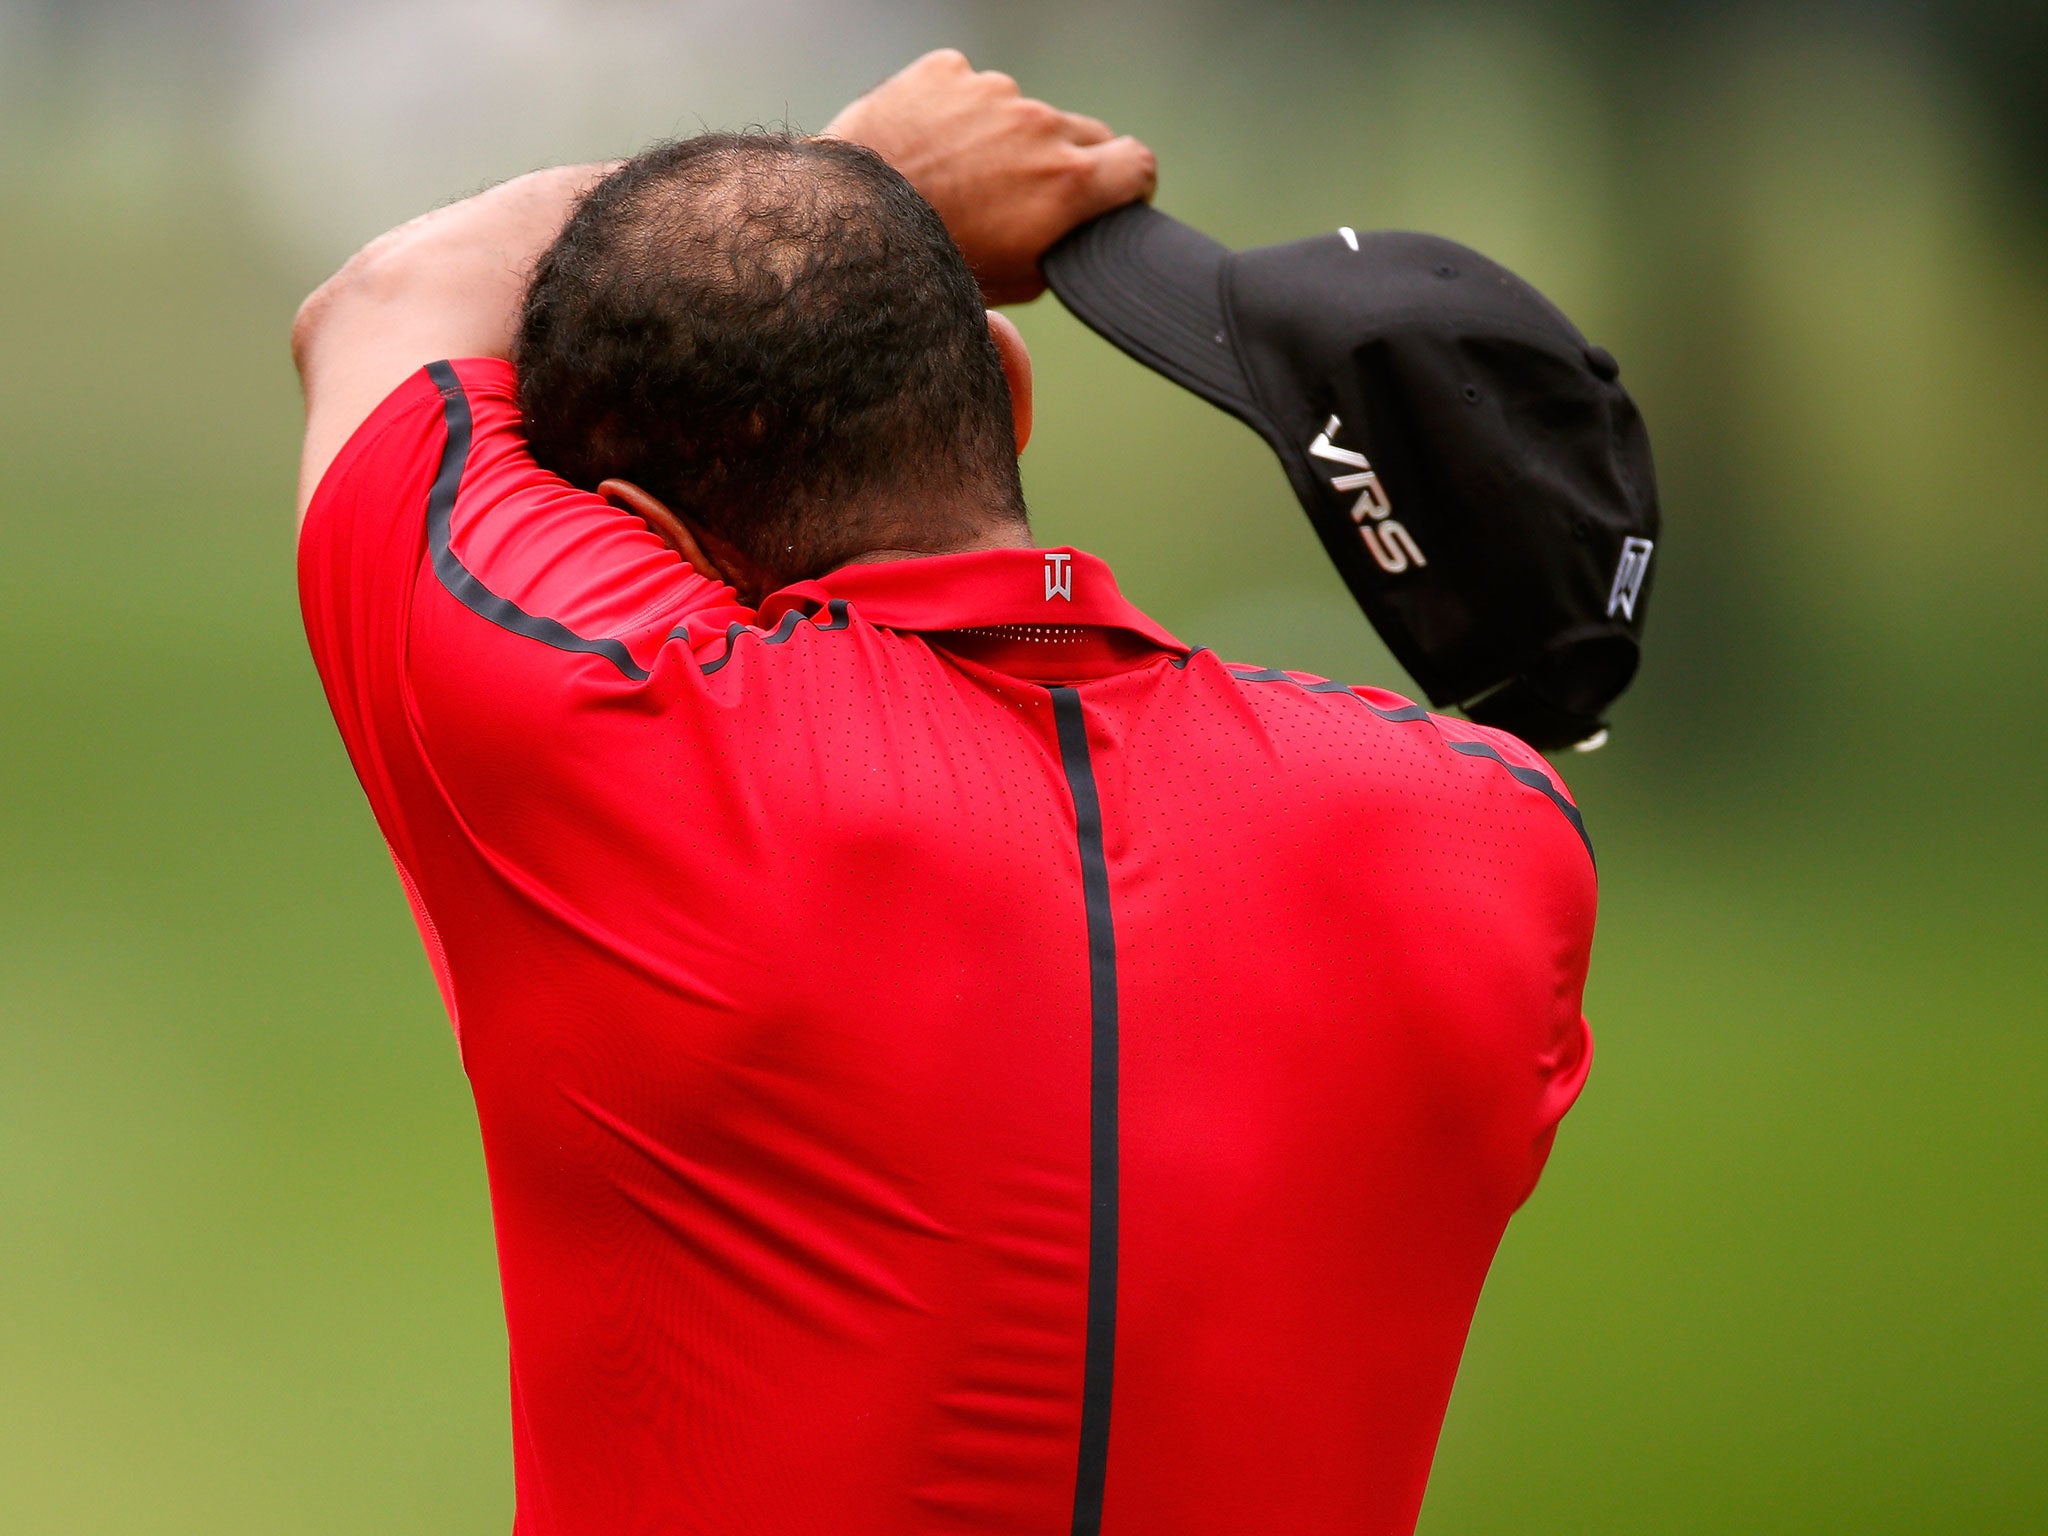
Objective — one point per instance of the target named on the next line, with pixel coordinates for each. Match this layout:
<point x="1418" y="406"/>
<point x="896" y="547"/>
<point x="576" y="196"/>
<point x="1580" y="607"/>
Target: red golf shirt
<point x="950" y="1058"/>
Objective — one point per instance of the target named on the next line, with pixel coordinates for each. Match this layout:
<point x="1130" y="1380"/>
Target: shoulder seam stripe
<point x="462" y="583"/>
<point x="1537" y="780"/>
<point x="1534" y="778"/>
<point x="839" y="616"/>
<point x="466" y="588"/>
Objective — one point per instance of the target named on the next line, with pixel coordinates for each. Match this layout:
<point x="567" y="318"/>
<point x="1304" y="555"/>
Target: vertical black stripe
<point x="1100" y="1358"/>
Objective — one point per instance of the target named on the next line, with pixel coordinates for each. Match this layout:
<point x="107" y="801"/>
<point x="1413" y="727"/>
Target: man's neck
<point x="1006" y="535"/>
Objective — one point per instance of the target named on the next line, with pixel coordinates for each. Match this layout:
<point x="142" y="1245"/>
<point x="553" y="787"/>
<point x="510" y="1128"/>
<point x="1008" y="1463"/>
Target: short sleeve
<point x="437" y="500"/>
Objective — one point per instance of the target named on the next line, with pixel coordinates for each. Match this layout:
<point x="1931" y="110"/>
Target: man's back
<point x="949" y="1059"/>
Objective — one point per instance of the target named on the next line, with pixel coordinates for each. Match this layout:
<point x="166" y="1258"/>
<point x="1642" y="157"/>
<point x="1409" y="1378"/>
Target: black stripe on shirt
<point x="461" y="582"/>
<point x="1099" y="1358"/>
<point x="1535" y="778"/>
<point x="837" y="616"/>
<point x="464" y="585"/>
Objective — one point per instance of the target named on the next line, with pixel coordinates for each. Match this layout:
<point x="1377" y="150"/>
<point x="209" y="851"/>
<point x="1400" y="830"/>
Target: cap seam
<point x="1268" y="424"/>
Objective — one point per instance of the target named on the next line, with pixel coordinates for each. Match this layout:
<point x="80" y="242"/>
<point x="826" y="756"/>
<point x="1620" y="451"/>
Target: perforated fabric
<point x="949" y="1057"/>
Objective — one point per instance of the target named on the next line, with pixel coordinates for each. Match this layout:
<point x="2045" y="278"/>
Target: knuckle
<point x="945" y="58"/>
<point x="1000" y="83"/>
<point x="1071" y="168"/>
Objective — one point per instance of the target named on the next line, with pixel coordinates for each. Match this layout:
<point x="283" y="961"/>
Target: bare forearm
<point x="471" y="259"/>
<point x="448" y="284"/>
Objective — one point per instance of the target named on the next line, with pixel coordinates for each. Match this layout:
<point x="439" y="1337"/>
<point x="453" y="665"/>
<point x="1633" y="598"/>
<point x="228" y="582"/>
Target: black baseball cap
<point x="1470" y="461"/>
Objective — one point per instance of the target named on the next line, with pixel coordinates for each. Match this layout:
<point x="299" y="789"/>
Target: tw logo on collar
<point x="1059" y="577"/>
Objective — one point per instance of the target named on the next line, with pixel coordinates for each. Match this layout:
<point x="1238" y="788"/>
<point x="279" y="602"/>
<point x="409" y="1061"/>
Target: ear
<point x="668" y="527"/>
<point x="1016" y="370"/>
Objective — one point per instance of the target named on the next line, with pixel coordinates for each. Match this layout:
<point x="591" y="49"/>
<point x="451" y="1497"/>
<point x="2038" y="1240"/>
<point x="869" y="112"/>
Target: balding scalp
<point x="776" y="336"/>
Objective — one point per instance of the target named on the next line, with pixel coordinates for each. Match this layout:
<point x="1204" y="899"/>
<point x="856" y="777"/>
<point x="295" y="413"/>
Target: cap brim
<point x="1153" y="287"/>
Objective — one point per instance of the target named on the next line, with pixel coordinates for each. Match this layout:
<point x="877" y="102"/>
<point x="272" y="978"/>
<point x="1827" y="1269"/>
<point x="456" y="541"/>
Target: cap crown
<point x="1509" y="468"/>
<point x="1472" y="465"/>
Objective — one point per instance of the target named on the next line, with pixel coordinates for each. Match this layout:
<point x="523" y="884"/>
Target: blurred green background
<point x="1789" y="1268"/>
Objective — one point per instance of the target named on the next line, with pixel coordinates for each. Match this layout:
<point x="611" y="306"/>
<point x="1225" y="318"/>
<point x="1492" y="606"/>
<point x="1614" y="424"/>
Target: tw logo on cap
<point x="1059" y="577"/>
<point x="1628" y="577"/>
<point x="1391" y="546"/>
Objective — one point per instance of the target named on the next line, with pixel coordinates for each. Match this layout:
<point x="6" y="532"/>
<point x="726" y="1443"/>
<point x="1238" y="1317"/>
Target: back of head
<point x="777" y="337"/>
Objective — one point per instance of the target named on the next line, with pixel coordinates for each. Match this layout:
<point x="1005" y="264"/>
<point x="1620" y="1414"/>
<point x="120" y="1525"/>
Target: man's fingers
<point x="1120" y="171"/>
<point x="1079" y="128"/>
<point x="1007" y="172"/>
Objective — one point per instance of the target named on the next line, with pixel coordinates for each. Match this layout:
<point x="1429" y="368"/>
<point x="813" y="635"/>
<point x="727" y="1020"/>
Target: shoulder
<point x="440" y="479"/>
<point x="1403" y="762"/>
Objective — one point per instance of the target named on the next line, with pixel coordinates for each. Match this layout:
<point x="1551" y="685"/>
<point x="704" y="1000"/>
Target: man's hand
<point x="1010" y="175"/>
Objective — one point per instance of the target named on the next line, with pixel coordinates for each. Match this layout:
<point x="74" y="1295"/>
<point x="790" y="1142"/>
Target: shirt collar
<point x="976" y="590"/>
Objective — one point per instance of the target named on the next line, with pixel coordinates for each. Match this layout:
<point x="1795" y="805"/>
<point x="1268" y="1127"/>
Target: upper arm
<point x="385" y="315"/>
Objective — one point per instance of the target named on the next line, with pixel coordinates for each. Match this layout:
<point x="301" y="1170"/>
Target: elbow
<point x="308" y="322"/>
<point x="376" y="274"/>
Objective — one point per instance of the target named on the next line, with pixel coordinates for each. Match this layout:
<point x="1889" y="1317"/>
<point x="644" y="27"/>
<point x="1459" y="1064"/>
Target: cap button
<point x="1602" y="362"/>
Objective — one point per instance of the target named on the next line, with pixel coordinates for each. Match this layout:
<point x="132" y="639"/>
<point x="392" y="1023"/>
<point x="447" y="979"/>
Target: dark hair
<point x="777" y="337"/>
